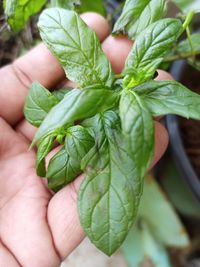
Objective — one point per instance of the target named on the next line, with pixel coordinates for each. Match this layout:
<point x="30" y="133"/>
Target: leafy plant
<point x="114" y="145"/>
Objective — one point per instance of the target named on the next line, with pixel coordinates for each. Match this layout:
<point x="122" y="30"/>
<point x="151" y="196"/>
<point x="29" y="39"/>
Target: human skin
<point x="38" y="228"/>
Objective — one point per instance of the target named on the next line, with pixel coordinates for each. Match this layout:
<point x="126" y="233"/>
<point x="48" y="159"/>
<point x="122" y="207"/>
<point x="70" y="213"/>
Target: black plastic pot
<point x="175" y="171"/>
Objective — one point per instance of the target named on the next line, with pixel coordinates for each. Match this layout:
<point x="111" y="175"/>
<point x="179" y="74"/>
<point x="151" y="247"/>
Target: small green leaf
<point x="60" y="94"/>
<point x="68" y="4"/>
<point x="62" y="169"/>
<point x="78" y="142"/>
<point x="149" y="49"/>
<point x="38" y="103"/>
<point x="188" y="5"/>
<point x="94" y="6"/>
<point x="76" y="105"/>
<point x="138" y="15"/>
<point x="109" y="195"/>
<point x="77" y="48"/>
<point x="81" y="6"/>
<point x="19" y="11"/>
<point x="184" y="47"/>
<point x="138" y="130"/>
<point x="44" y="147"/>
<point x="65" y="166"/>
<point x="169" y="97"/>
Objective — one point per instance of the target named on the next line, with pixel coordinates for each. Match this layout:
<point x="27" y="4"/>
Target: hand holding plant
<point x="35" y="224"/>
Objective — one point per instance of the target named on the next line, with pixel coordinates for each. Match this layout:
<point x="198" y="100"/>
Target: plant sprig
<point x="114" y="145"/>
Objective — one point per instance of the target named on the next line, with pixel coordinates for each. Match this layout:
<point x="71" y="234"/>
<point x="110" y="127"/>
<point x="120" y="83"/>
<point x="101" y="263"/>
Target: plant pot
<point x="175" y="171"/>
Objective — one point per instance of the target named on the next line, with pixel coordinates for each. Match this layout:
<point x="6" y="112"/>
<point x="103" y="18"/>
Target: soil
<point x="190" y="129"/>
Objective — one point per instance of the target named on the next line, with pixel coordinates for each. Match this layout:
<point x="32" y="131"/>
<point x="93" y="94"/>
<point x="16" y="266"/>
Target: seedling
<point x="113" y="145"/>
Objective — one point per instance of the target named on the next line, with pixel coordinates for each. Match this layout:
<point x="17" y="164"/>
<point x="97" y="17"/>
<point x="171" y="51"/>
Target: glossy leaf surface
<point x="76" y="46"/>
<point x="169" y="97"/>
<point x="38" y="103"/>
<point x="137" y="15"/>
<point x="109" y="195"/>
<point x="149" y="49"/>
<point x="138" y="129"/>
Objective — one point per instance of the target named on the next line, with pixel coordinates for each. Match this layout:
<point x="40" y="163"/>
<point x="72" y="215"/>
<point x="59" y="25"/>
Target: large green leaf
<point x="19" y="11"/>
<point x="149" y="49"/>
<point x="44" y="147"/>
<point x="76" y="105"/>
<point x="137" y="15"/>
<point x="65" y="166"/>
<point x="76" y="46"/>
<point x="169" y="97"/>
<point x="109" y="195"/>
<point x="38" y="103"/>
<point x="138" y="129"/>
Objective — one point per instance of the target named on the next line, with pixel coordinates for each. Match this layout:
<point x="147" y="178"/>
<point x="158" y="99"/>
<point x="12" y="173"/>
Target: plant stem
<point x="182" y="56"/>
<point x="188" y="20"/>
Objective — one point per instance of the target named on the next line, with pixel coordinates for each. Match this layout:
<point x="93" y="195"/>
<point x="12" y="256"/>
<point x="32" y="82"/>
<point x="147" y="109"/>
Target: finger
<point x="161" y="142"/>
<point x="163" y="75"/>
<point x="38" y="65"/>
<point x="11" y="143"/>
<point x="117" y="50"/>
<point x="6" y="258"/>
<point x="62" y="211"/>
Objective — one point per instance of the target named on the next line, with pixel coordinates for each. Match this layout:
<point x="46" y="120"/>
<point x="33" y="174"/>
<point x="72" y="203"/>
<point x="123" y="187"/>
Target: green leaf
<point x="109" y="195"/>
<point x="184" y="47"/>
<point x="137" y="15"/>
<point x="169" y="97"/>
<point x="38" y="103"/>
<point x="77" y="48"/>
<point x="44" y="147"/>
<point x="78" y="142"/>
<point x="138" y="130"/>
<point x="188" y="5"/>
<point x="60" y="94"/>
<point x="19" y="11"/>
<point x="62" y="169"/>
<point x="149" y="49"/>
<point x="76" y="105"/>
<point x="81" y="6"/>
<point x="141" y="247"/>
<point x="68" y="4"/>
<point x="65" y="166"/>
<point x="161" y="217"/>
<point x="94" y="6"/>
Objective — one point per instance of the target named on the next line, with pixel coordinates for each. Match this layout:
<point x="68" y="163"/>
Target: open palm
<point x="38" y="228"/>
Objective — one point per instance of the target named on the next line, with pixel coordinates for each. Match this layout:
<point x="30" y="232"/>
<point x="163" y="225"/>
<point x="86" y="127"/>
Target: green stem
<point x="190" y="42"/>
<point x="182" y="56"/>
<point x="188" y="20"/>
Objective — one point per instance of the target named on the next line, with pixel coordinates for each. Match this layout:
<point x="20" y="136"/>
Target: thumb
<point x="11" y="143"/>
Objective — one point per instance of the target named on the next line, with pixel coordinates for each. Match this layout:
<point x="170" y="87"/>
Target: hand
<point x="38" y="228"/>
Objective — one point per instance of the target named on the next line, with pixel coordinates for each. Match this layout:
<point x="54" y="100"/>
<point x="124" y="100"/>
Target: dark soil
<point x="190" y="129"/>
